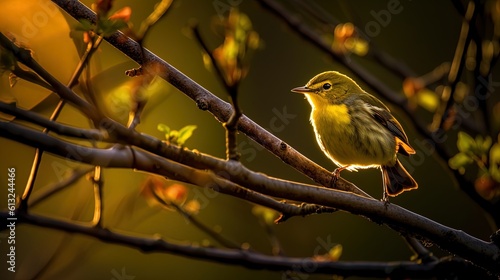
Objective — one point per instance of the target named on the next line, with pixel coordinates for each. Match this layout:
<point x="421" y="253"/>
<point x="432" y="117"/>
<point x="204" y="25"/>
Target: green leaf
<point x="185" y="133"/>
<point x="172" y="136"/>
<point x="495" y="154"/>
<point x="335" y="252"/>
<point x="465" y="142"/>
<point x="85" y="25"/>
<point x="108" y="27"/>
<point x="485" y="144"/>
<point x="163" y="128"/>
<point x="460" y="160"/>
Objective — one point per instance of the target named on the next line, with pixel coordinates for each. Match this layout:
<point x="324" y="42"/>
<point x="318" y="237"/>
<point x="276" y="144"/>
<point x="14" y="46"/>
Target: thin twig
<point x="37" y="158"/>
<point x="98" y="201"/>
<point x="30" y="77"/>
<point x="158" y="13"/>
<point x="456" y="68"/>
<point x="232" y="128"/>
<point x="419" y="250"/>
<point x="59" y="128"/>
<point x="483" y="66"/>
<point x="212" y="233"/>
<point x="231" y="125"/>
<point x="307" y="210"/>
<point x="48" y="191"/>
<point x="276" y="248"/>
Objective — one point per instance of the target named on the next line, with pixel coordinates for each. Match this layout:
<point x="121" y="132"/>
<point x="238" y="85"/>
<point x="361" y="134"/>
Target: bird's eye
<point x="327" y="86"/>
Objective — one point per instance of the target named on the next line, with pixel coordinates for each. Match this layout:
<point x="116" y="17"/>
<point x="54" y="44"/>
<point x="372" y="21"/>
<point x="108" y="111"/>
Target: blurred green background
<point x="423" y="35"/>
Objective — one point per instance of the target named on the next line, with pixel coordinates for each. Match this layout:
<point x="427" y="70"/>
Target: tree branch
<point x="121" y="157"/>
<point x="236" y="172"/>
<point x="484" y="254"/>
<point x="61" y="129"/>
<point x="254" y="260"/>
<point x="205" y="100"/>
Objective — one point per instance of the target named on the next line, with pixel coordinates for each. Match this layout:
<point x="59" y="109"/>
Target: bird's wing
<point x="382" y="114"/>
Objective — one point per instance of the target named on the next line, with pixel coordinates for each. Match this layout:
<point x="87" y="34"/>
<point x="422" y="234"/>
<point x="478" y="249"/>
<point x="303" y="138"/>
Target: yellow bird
<point x="356" y="130"/>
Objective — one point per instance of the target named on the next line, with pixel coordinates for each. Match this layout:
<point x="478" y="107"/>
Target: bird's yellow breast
<point x="331" y="116"/>
<point x="337" y="114"/>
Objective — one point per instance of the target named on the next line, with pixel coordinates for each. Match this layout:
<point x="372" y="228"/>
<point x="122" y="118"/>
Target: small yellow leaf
<point x="335" y="252"/>
<point x="185" y="133"/>
<point x="428" y="99"/>
<point x="465" y="142"/>
<point x="460" y="160"/>
<point x="163" y="128"/>
<point x="357" y="46"/>
<point x="207" y="61"/>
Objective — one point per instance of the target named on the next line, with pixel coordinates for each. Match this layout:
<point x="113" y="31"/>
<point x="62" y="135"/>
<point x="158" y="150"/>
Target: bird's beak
<point x="303" y="89"/>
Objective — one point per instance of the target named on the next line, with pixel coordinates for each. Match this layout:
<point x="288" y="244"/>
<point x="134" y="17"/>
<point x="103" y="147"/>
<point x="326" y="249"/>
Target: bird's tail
<point x="397" y="179"/>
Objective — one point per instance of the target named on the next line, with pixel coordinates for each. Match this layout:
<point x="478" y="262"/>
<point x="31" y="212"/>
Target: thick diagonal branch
<point x="208" y="101"/>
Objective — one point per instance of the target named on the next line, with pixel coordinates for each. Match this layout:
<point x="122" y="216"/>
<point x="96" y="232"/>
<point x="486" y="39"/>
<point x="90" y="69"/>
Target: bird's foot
<point x="336" y="175"/>
<point x="385" y="199"/>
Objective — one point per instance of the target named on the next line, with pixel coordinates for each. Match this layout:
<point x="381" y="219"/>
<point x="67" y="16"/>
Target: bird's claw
<point x="336" y="173"/>
<point x="335" y="176"/>
<point x="385" y="199"/>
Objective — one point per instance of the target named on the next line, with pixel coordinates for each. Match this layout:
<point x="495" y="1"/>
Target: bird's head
<point x="329" y="87"/>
